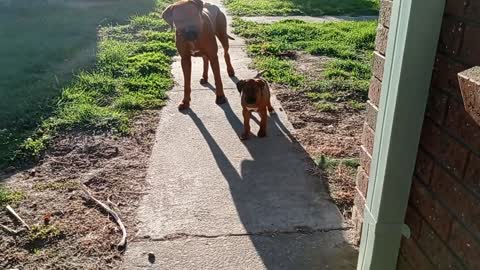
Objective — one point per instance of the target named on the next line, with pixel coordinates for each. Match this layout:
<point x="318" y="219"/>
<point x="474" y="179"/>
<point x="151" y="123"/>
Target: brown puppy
<point x="255" y="96"/>
<point x="197" y="24"/>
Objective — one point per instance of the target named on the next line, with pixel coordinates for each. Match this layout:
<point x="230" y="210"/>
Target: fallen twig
<point x="10" y="231"/>
<point x="10" y="209"/>
<point x="123" y="241"/>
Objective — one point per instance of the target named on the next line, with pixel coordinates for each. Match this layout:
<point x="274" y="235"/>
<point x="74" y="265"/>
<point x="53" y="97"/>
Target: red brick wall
<point x="371" y="115"/>
<point x="444" y="206"/>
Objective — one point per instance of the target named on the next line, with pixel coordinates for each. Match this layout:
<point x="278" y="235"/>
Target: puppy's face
<point x="185" y="16"/>
<point x="250" y="90"/>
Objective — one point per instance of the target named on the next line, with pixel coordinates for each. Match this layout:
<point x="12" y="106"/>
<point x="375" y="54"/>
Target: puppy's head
<point x="186" y="17"/>
<point x="250" y="90"/>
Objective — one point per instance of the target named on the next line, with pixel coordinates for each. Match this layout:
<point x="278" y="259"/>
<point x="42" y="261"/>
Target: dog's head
<point x="250" y="90"/>
<point x="186" y="17"/>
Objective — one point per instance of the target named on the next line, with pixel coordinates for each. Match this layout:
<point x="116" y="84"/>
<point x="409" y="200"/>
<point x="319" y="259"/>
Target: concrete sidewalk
<point x="215" y="202"/>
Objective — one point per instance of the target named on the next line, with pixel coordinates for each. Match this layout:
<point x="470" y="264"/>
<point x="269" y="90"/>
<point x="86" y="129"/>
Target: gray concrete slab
<point x="224" y="196"/>
<point x="320" y="251"/>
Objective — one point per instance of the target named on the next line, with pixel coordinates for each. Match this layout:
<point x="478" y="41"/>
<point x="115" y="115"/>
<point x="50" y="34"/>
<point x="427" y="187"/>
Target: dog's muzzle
<point x="250" y="100"/>
<point x="190" y="34"/>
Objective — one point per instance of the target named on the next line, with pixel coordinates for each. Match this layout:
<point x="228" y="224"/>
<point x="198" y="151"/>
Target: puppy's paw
<point x="184" y="105"/>
<point x="262" y="134"/>
<point x="203" y="81"/>
<point x="231" y="73"/>
<point x="244" y="136"/>
<point x="272" y="112"/>
<point x="220" y="100"/>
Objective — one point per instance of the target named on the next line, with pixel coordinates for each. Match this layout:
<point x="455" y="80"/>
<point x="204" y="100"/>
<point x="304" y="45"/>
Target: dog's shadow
<point x="271" y="194"/>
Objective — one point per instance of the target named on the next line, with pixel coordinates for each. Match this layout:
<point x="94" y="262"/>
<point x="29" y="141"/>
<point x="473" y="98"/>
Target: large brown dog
<point x="197" y="24"/>
<point x="255" y="96"/>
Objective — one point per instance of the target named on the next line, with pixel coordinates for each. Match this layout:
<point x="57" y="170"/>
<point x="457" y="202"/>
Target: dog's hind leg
<point x="224" y="40"/>
<point x="204" y="79"/>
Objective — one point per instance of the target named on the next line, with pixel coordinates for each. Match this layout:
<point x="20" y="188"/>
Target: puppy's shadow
<point x="234" y="79"/>
<point x="210" y="86"/>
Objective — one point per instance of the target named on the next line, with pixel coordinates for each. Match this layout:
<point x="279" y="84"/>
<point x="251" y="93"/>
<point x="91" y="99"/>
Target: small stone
<point x="151" y="257"/>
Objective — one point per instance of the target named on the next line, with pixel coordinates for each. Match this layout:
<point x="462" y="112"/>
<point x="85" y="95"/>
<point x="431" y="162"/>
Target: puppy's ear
<point x="167" y="15"/>
<point x="240" y="85"/>
<point x="261" y="83"/>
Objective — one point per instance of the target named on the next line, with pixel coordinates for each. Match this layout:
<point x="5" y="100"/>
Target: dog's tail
<point x="260" y="74"/>
<point x="230" y="37"/>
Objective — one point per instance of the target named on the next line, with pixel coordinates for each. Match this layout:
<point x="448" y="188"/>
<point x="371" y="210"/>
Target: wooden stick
<point x="10" y="209"/>
<point x="123" y="241"/>
<point x="8" y="230"/>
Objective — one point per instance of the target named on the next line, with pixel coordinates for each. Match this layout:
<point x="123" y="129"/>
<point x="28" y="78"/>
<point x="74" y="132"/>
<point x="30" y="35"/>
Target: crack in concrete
<point x="305" y="230"/>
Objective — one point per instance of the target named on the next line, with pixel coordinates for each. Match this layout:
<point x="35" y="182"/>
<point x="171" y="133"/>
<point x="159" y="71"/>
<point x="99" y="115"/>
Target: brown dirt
<point x="111" y="167"/>
<point x="330" y="134"/>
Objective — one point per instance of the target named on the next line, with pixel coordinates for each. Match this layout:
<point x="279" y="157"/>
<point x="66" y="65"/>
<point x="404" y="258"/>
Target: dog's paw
<point x="203" y="81"/>
<point x="272" y="112"/>
<point x="262" y="134"/>
<point x="244" y="136"/>
<point x="231" y="73"/>
<point x="183" y="105"/>
<point x="220" y="100"/>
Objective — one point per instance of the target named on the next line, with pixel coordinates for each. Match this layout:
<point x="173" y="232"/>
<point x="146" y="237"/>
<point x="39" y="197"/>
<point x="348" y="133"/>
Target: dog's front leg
<point x="263" y="123"/>
<point x="187" y="77"/>
<point x="246" y="124"/>
<point x="218" y="80"/>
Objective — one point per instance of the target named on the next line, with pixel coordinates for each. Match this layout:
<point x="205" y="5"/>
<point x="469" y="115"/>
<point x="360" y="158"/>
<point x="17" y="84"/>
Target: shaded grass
<point x="302" y="7"/>
<point x="132" y="73"/>
<point x="349" y="45"/>
<point x="42" y="46"/>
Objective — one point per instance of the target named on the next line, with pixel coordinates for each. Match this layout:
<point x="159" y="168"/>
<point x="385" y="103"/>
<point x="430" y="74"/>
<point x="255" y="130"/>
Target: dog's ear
<point x="240" y="85"/>
<point x="261" y="83"/>
<point x="198" y="3"/>
<point x="167" y="15"/>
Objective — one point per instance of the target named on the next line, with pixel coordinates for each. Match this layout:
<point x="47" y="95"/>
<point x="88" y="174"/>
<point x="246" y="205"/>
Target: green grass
<point x="302" y="7"/>
<point x="131" y="73"/>
<point x="349" y="45"/>
<point x="330" y="164"/>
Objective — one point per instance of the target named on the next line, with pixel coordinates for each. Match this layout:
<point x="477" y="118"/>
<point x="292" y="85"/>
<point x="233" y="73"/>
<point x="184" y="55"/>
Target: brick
<point x="470" y="52"/>
<point x="437" y="106"/>
<point x="414" y="222"/>
<point x="472" y="175"/>
<point x="451" y="36"/>
<point x="462" y="203"/>
<point x="465" y="246"/>
<point x="385" y="13"/>
<point x="414" y="255"/>
<point x="469" y="81"/>
<point x="402" y="264"/>
<point x="444" y="148"/>
<point x="371" y="115"/>
<point x="437" y="216"/>
<point x="362" y="181"/>
<point x="462" y="126"/>
<point x="381" y="39"/>
<point x="365" y="159"/>
<point x="445" y="75"/>
<point x="368" y="138"/>
<point x="455" y="7"/>
<point x="437" y="251"/>
<point x="378" y="65"/>
<point x="423" y="167"/>
<point x="472" y="9"/>
<point x="375" y="90"/>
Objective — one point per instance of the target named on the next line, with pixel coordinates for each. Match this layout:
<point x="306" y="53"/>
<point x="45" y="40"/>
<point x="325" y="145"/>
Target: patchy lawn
<point x="99" y="135"/>
<point x="321" y="74"/>
<point x="303" y="7"/>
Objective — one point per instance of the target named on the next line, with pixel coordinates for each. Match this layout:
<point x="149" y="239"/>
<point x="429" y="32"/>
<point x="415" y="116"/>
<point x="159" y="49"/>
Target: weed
<point x="329" y="164"/>
<point x="43" y="233"/>
<point x="67" y="185"/>
<point x="8" y="196"/>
